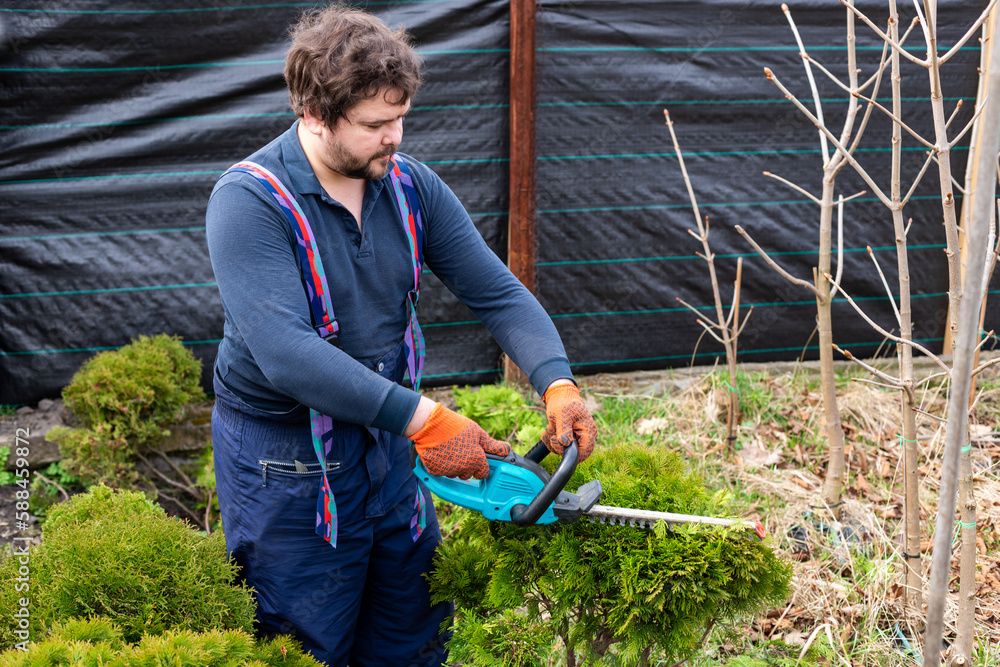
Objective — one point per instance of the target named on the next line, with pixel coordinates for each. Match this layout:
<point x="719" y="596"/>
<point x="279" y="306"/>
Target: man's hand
<point x="569" y="420"/>
<point x="451" y="445"/>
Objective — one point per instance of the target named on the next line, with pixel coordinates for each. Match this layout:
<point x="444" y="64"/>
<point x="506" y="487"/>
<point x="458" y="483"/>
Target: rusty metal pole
<point x="521" y="218"/>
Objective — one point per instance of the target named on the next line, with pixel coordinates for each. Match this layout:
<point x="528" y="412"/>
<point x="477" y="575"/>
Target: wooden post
<point x="521" y="218"/>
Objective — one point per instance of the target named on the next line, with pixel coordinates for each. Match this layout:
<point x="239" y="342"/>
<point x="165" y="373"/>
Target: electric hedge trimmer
<point x="522" y="492"/>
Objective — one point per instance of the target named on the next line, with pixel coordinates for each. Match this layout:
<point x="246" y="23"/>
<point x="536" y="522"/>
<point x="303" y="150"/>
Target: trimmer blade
<point x="621" y="516"/>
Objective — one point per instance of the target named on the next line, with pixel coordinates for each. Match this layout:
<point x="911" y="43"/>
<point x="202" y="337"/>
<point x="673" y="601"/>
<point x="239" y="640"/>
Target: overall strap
<point x="409" y="212"/>
<point x="323" y="321"/>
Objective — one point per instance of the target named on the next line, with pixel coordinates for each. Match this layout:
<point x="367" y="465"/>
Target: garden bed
<point x="846" y="604"/>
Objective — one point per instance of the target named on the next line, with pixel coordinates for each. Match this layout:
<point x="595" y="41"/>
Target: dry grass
<point x="848" y="576"/>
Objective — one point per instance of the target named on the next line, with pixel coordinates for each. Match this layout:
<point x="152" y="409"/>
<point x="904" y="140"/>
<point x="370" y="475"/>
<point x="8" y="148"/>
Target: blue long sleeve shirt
<point x="272" y="358"/>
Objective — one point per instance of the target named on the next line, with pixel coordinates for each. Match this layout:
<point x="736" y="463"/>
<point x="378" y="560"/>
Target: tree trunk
<point x="961" y="650"/>
<point x="908" y="437"/>
<point x="961" y="653"/>
<point x="835" y="470"/>
<point x="956" y="434"/>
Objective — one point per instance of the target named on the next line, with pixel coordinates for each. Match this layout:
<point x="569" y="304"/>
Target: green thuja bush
<point x="502" y="411"/>
<point x="117" y="555"/>
<point x="99" y="642"/>
<point x="613" y="595"/>
<point x="125" y="399"/>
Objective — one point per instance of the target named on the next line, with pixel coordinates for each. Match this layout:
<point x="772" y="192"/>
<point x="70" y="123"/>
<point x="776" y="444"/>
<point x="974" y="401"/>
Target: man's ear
<point x="312" y="122"/>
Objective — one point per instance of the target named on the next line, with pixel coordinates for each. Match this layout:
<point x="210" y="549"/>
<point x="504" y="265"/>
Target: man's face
<point x="361" y="143"/>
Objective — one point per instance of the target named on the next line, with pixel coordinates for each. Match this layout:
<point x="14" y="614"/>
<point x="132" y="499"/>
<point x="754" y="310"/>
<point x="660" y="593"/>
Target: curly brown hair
<point x="341" y="56"/>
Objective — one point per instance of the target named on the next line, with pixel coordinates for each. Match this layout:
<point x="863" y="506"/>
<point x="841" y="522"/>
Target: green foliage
<point x="45" y="494"/>
<point x="205" y="481"/>
<point x="6" y="476"/>
<point x="611" y="593"/>
<point x="126" y="398"/>
<point x="508" y="640"/>
<point x="118" y="555"/>
<point x="99" y="642"/>
<point x="96" y="455"/>
<point x="502" y="411"/>
<point x="137" y="389"/>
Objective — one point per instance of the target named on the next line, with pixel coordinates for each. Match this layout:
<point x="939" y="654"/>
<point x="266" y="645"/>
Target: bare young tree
<point x="726" y="328"/>
<point x="821" y="286"/>
<point x="964" y="642"/>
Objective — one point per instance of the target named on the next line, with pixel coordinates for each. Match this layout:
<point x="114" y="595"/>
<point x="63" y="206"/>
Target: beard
<point x="341" y="160"/>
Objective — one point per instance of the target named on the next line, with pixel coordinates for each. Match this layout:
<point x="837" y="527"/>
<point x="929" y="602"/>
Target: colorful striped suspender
<point x="325" y="322"/>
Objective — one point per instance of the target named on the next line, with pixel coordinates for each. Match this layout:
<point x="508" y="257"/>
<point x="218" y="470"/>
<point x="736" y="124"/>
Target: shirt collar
<point x="300" y="172"/>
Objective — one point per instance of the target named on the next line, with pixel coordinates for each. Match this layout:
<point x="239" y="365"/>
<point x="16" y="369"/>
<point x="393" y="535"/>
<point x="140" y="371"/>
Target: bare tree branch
<point x="927" y="414"/>
<point x="743" y="326"/>
<point x="709" y="331"/>
<point x="893" y="381"/>
<point x="960" y="43"/>
<point x="180" y="473"/>
<point x="830" y="75"/>
<point x="968" y="126"/>
<point x="812" y="82"/>
<point x="855" y="196"/>
<point x="920" y="175"/>
<point x="883" y="62"/>
<point x="924" y="27"/>
<point x="881" y="330"/>
<point x="687" y="180"/>
<point x="696" y="312"/>
<point x="885" y="284"/>
<point x="898" y="121"/>
<point x="793" y="186"/>
<point x="850" y="158"/>
<point x="734" y="308"/>
<point x="840" y="242"/>
<point x="877" y="384"/>
<point x="983" y="366"/>
<point x="868" y="108"/>
<point x="159" y="474"/>
<point x="954" y="181"/>
<point x="774" y="265"/>
<point x="975" y="402"/>
<point x="884" y="37"/>
<point x="53" y="483"/>
<point x="931" y="377"/>
<point x="196" y="518"/>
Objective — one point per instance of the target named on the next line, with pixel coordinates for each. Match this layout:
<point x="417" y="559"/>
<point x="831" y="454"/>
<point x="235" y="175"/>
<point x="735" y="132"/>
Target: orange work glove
<point x="569" y="420"/>
<point x="451" y="445"/>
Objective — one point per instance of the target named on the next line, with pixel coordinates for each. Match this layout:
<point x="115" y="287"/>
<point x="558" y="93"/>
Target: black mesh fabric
<point x="116" y="119"/>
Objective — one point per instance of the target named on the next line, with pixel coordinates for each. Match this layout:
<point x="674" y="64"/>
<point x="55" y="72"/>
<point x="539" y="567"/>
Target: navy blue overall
<point x="364" y="603"/>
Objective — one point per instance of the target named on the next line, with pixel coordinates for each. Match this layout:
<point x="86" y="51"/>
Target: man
<point x="317" y="241"/>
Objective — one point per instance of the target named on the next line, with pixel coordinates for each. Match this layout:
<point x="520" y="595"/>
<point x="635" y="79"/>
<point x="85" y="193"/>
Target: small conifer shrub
<point x="125" y="399"/>
<point x="117" y="555"/>
<point x="98" y="641"/>
<point x="600" y="593"/>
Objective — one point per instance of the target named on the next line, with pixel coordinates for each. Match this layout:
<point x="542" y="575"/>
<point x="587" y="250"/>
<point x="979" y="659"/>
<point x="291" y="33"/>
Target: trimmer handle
<point x="523" y="515"/>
